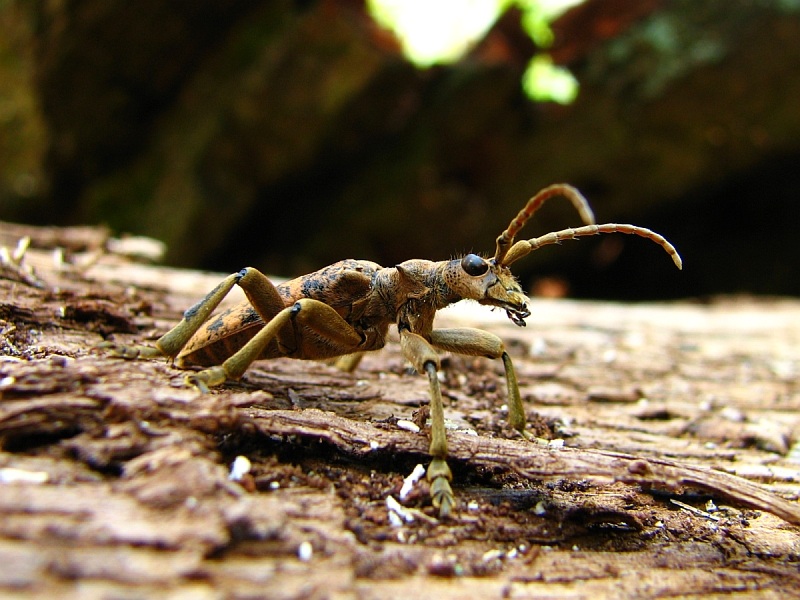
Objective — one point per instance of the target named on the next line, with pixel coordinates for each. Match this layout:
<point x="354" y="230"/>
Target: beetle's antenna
<point x="525" y="247"/>
<point x="506" y="239"/>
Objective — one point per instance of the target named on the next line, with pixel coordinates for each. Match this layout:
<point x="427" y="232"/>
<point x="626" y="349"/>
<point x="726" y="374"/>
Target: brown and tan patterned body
<point x="367" y="296"/>
<point x="351" y="287"/>
<point x="346" y="309"/>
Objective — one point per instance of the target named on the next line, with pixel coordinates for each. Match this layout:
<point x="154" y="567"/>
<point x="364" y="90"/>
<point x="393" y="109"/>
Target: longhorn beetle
<point x="346" y="308"/>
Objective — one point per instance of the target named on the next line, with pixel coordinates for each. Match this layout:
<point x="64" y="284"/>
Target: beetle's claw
<point x="198" y="383"/>
<point x="442" y="497"/>
<point x="439" y="476"/>
<point x="207" y="378"/>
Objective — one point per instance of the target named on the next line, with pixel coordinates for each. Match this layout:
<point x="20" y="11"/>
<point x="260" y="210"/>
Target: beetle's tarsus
<point x="207" y="378"/>
<point x="439" y="476"/>
<point x="198" y="383"/>
<point x="129" y="352"/>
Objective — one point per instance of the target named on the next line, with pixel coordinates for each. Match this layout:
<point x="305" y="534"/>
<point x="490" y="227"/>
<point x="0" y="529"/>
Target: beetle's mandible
<point x="347" y="308"/>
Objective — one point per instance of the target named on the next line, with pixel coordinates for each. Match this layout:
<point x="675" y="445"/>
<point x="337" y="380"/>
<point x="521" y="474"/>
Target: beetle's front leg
<point x="476" y="342"/>
<point x="424" y="358"/>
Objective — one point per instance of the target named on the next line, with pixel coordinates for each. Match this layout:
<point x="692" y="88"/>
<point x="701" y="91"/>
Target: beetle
<point x="345" y="309"/>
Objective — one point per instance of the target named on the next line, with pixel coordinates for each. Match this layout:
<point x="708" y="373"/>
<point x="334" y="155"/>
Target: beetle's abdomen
<point x="345" y="286"/>
<point x="221" y="336"/>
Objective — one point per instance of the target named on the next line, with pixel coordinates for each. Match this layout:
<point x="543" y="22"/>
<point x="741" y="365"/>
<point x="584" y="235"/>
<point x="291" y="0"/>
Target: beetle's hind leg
<point x="316" y="327"/>
<point x="259" y="290"/>
<point x="171" y="343"/>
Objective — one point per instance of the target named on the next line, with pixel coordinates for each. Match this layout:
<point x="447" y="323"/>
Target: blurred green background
<point x="288" y="135"/>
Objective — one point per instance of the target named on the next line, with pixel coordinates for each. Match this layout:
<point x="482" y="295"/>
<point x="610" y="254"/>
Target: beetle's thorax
<point x="414" y="290"/>
<point x="419" y="288"/>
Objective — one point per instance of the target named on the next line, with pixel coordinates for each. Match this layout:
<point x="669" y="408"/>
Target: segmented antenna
<point x="506" y="239"/>
<point x="525" y="247"/>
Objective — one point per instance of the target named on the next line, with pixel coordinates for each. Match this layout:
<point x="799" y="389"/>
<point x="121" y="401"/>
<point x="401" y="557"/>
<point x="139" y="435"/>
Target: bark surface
<point x="666" y="468"/>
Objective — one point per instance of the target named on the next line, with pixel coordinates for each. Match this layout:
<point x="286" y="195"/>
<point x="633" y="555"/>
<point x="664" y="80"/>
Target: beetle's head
<point x="489" y="281"/>
<point x="476" y="278"/>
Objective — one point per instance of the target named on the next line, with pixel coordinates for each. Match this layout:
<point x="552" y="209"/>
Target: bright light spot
<point x="442" y="31"/>
<point x="435" y="31"/>
<point x="545" y="82"/>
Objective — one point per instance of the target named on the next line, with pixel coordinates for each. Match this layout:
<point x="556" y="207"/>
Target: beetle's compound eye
<point x="474" y="265"/>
